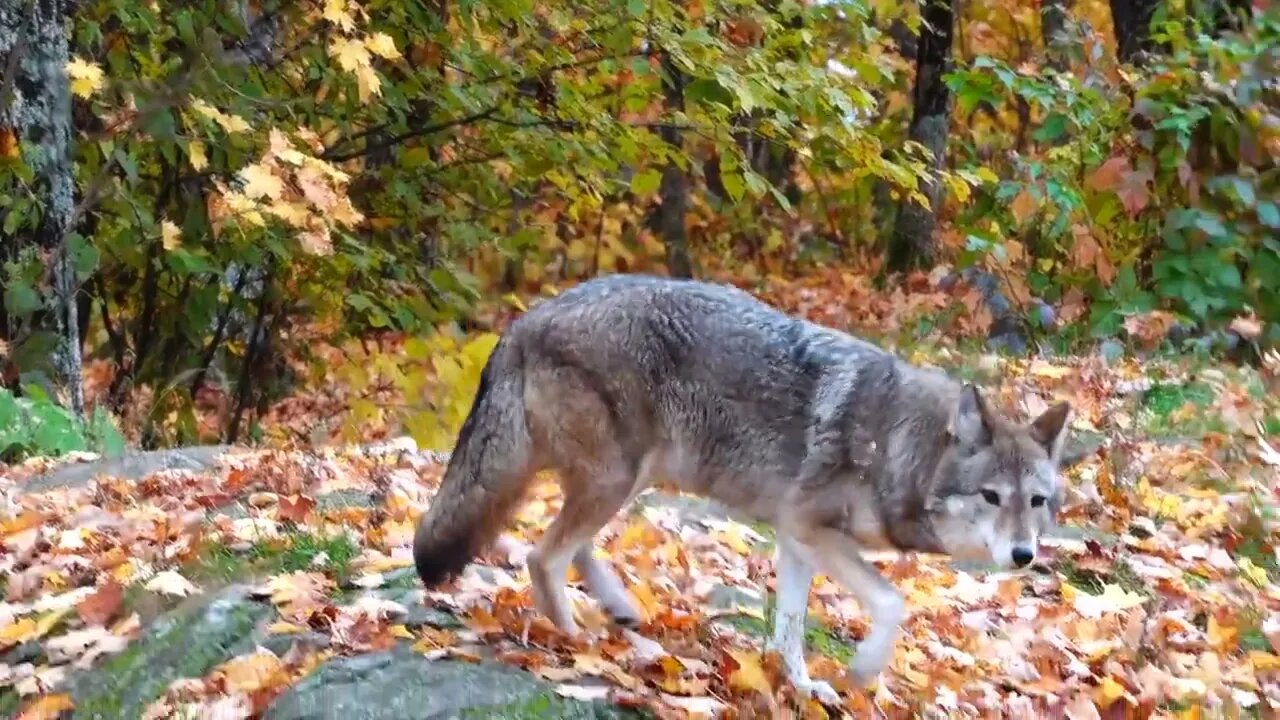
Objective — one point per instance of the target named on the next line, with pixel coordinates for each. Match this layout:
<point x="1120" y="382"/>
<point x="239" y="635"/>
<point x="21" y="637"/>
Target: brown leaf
<point x="1024" y="206"/>
<point x="1109" y="175"/>
<point x="102" y="605"/>
<point x="295" y="508"/>
<point x="1088" y="254"/>
<point x="1133" y="192"/>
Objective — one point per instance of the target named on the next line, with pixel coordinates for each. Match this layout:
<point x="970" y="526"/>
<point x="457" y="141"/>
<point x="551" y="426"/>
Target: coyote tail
<point x="486" y="476"/>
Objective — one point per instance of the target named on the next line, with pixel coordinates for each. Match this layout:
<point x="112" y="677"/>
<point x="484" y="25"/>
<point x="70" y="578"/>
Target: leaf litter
<point x="1160" y="601"/>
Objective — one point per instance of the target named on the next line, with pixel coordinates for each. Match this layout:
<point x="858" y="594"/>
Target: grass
<point x="219" y="564"/>
<point x="1092" y="581"/>
<point x="1162" y="401"/>
<point x="817" y="637"/>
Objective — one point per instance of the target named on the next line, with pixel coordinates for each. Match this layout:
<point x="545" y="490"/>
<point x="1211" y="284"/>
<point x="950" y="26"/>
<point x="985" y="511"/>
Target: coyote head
<point x="995" y="490"/>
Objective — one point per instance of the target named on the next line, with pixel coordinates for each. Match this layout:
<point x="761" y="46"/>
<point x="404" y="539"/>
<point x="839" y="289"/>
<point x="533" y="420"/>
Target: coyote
<point x="630" y="381"/>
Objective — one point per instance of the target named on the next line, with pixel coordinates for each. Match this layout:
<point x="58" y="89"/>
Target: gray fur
<point x="628" y="381"/>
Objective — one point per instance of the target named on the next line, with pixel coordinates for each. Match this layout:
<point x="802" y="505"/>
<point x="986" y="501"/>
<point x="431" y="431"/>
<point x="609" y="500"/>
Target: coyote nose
<point x="1022" y="556"/>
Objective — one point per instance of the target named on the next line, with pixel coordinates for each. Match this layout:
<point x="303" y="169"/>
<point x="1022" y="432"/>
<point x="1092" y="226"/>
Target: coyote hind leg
<point x="588" y="506"/>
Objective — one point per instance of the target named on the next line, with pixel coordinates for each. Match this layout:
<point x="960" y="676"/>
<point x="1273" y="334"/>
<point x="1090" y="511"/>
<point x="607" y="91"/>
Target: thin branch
<point x="332" y="155"/>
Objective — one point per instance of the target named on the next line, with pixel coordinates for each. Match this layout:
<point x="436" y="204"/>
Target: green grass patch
<point x="818" y="638"/>
<point x="1161" y="402"/>
<point x="219" y="564"/>
<point x="1120" y="574"/>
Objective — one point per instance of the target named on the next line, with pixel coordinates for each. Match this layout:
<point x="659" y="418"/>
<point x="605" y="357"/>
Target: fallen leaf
<point x="170" y="582"/>
<point x="100" y="607"/>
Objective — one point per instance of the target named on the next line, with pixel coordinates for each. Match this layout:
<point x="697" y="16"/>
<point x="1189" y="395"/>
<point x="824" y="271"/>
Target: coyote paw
<point x="816" y="689"/>
<point x="865" y="668"/>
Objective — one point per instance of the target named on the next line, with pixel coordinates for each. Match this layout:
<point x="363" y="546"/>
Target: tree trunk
<point x="35" y="109"/>
<point x="1053" y="25"/>
<point x="912" y="243"/>
<point x="674" y="191"/>
<point x="1132" y="23"/>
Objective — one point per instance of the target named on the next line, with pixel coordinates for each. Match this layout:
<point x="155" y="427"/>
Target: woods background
<point x="305" y="220"/>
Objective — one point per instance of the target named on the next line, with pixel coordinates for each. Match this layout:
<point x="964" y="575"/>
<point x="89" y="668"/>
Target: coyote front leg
<point x="839" y="556"/>
<point x="794" y="579"/>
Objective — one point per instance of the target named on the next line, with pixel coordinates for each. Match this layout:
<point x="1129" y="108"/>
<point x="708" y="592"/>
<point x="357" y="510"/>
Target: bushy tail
<point x="486" y="478"/>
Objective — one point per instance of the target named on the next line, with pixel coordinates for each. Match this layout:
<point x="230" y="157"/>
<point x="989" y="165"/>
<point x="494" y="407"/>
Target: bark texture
<point x="912" y="244"/>
<point x="35" y="110"/>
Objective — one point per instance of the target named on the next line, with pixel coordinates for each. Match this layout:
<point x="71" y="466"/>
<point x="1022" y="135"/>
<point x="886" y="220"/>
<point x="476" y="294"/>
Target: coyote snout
<point x="626" y="380"/>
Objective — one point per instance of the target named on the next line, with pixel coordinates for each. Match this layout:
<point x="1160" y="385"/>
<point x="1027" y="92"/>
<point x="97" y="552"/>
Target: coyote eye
<point x="1038" y="500"/>
<point x="991" y="497"/>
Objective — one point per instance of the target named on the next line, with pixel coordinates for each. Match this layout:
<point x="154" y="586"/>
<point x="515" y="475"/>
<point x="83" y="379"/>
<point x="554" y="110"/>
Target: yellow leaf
<point x="196" y="154"/>
<point x="749" y="675"/>
<point x="259" y="181"/>
<point x="350" y="54"/>
<point x="367" y="83"/>
<point x="280" y="627"/>
<point x="1263" y="661"/>
<point x="17" y="633"/>
<point x="86" y="77"/>
<point x="1110" y="691"/>
<point x="1251" y="572"/>
<point x="382" y="45"/>
<point x="253" y="672"/>
<point x="401" y="631"/>
<point x="335" y="11"/>
<point x="170" y="235"/>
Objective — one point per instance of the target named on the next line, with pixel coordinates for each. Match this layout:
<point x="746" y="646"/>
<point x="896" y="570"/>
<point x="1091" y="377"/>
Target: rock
<point x="728" y="597"/>
<point x="404" y="685"/>
<point x="186" y="642"/>
<point x="133" y="465"/>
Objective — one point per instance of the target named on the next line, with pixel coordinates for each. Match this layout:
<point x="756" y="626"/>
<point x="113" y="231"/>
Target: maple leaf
<point x="170" y="582"/>
<point x="382" y="45"/>
<point x="260" y="181"/>
<point x="350" y="54"/>
<point x="86" y="77"/>
<point x="335" y="11"/>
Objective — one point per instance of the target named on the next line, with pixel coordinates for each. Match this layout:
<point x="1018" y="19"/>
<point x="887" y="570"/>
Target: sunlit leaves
<point x="86" y="77"/>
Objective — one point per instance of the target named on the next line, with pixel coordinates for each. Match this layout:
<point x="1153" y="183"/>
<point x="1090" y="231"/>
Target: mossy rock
<point x="186" y="642"/>
<point x="404" y="685"/>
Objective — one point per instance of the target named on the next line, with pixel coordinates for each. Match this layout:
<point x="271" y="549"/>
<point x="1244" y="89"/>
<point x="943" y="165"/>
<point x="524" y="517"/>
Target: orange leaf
<point x="48" y="707"/>
<point x="101" y="606"/>
<point x="1024" y="206"/>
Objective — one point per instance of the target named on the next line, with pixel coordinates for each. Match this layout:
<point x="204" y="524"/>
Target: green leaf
<point x="1054" y="127"/>
<point x="646" y="181"/>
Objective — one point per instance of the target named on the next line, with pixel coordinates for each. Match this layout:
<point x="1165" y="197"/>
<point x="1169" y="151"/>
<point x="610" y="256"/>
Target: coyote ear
<point x="970" y="422"/>
<point x="1050" y="429"/>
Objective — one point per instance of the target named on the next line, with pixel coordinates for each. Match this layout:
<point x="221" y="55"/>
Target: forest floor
<point x="276" y="581"/>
